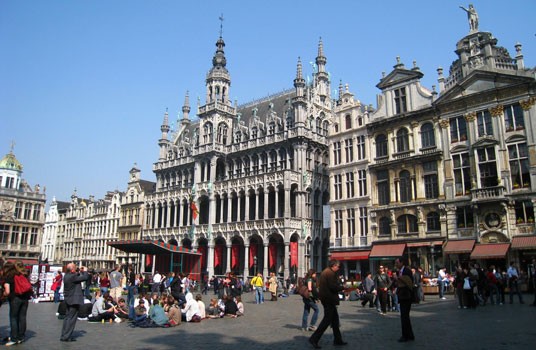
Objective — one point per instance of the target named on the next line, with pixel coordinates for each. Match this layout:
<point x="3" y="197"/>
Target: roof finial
<point x="12" y="146"/>
<point x="221" y="25"/>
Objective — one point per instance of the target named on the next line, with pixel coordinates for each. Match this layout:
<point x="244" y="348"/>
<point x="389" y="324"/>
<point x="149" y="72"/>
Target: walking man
<point x="258" y="284"/>
<point x="513" y="276"/>
<point x="404" y="292"/>
<point x="329" y="287"/>
<point x="73" y="297"/>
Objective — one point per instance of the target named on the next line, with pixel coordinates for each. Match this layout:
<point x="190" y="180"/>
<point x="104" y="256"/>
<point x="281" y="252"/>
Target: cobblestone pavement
<point x="437" y="324"/>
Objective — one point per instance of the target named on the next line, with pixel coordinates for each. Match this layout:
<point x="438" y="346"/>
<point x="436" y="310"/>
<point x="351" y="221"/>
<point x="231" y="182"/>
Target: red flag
<point x="218" y="252"/>
<point x="293" y="254"/>
<point x="235" y="255"/>
<point x="252" y="254"/>
<point x="195" y="211"/>
<point x="203" y="251"/>
<point x="272" y="250"/>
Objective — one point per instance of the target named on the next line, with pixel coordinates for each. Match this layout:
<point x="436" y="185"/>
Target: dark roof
<point x="149" y="247"/>
<point x="63" y="205"/>
<point x="147" y="186"/>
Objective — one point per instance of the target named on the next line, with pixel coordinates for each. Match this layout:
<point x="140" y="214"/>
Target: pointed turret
<point x="186" y="107"/>
<point x="299" y="102"/>
<point x="218" y="79"/>
<point x="163" y="142"/>
<point x="299" y="82"/>
<point x="322" y="78"/>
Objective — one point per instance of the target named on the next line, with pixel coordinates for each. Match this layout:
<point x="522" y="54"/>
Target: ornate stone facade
<point x="245" y="185"/>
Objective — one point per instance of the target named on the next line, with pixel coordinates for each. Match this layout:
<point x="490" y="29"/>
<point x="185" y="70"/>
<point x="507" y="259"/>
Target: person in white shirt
<point x="441" y="280"/>
<point x="513" y="276"/>
<point x="157" y="278"/>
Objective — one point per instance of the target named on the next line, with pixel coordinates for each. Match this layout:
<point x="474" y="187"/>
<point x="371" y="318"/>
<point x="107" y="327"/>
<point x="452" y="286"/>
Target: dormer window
<point x="271" y="128"/>
<point x="348" y="121"/>
<point x="254" y="132"/>
<point x="400" y="101"/>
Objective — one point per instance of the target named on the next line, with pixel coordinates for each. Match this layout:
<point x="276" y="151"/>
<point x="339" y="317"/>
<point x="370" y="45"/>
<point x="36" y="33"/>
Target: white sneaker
<point x="443" y="298"/>
<point x="9" y="343"/>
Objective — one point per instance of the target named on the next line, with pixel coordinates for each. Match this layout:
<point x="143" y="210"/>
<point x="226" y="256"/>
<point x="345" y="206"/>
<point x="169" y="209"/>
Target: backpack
<point x="22" y="285"/>
<point x="303" y="289"/>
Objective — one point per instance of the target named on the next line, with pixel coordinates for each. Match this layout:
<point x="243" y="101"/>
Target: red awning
<point x="387" y="251"/>
<point x="423" y="244"/>
<point x="490" y="251"/>
<point x="524" y="242"/>
<point x="351" y="255"/>
<point x="459" y="247"/>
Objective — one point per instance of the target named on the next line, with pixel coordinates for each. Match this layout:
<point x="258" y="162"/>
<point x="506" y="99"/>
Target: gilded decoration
<point x="496" y="111"/>
<point x="470" y="117"/>
<point x="444" y="123"/>
<point x="527" y="104"/>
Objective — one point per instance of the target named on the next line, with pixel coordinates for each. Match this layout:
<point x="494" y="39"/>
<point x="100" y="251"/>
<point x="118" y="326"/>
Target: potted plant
<point x="519" y="220"/>
<point x="463" y="138"/>
<point x="516" y="185"/>
<point x="531" y="220"/>
<point x="520" y="127"/>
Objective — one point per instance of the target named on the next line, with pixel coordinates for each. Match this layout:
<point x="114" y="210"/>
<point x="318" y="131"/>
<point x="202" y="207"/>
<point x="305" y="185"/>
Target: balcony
<point x="488" y="193"/>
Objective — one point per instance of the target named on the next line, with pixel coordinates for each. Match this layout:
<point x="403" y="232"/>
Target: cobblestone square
<point x="437" y="324"/>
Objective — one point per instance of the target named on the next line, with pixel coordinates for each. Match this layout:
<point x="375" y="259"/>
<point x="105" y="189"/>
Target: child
<point x="240" y="306"/>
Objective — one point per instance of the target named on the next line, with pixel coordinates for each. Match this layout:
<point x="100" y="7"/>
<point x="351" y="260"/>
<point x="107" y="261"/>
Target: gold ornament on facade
<point x="470" y="117"/>
<point x="527" y="104"/>
<point x="496" y="111"/>
<point x="444" y="123"/>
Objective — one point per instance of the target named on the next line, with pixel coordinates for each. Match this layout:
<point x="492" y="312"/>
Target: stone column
<point x="265" y="270"/>
<point x="246" y="261"/>
<point x="210" y="259"/>
<point x="287" y="261"/>
<point x="246" y="216"/>
<point x="228" y="262"/>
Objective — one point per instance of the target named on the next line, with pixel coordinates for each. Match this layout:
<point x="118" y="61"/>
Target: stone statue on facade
<point x="472" y="17"/>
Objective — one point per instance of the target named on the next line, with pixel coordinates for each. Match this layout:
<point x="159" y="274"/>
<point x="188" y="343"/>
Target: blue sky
<point x="84" y="84"/>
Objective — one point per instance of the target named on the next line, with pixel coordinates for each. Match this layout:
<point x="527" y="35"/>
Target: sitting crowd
<point x="158" y="310"/>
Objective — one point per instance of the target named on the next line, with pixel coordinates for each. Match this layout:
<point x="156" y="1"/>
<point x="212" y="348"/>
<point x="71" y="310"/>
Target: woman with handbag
<point x="56" y="286"/>
<point x="310" y="302"/>
<point x="18" y="304"/>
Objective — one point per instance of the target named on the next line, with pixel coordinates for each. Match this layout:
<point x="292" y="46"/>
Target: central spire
<point x="218" y="79"/>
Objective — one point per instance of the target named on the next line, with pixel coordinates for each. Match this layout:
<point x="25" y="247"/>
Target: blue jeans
<point x="18" y="308"/>
<point x="57" y="295"/>
<point x="513" y="285"/>
<point x="132" y="290"/>
<point x="309" y="304"/>
<point x="259" y="295"/>
<point x="441" y="288"/>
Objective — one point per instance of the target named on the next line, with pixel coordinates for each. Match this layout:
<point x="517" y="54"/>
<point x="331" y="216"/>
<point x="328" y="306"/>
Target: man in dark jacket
<point x="405" y="297"/>
<point x="73" y="296"/>
<point x="329" y="287"/>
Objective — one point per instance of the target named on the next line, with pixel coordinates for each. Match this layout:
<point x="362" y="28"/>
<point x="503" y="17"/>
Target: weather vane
<point x="221" y="25"/>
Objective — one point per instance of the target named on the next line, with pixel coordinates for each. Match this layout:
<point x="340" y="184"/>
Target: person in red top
<point x="492" y="285"/>
<point x="104" y="282"/>
<point x="56" y="286"/>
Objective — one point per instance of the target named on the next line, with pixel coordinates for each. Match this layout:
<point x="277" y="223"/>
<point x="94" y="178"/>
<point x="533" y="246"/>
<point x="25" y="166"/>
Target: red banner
<point x="293" y="254"/>
<point x="218" y="254"/>
<point x="148" y="260"/>
<point x="235" y="255"/>
<point x="202" y="249"/>
<point x="272" y="250"/>
<point x="252" y="254"/>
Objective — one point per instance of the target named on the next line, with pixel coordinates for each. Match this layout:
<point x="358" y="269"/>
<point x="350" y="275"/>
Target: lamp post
<point x="432" y="252"/>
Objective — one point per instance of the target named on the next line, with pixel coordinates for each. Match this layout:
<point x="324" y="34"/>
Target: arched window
<point x="381" y="146"/>
<point x="402" y="140"/>
<point x="318" y="126"/>
<point x="207" y="133"/>
<point x="271" y="128"/>
<point x="348" y="121"/>
<point x="405" y="186"/>
<point x="222" y="133"/>
<point x="325" y="128"/>
<point x="238" y="136"/>
<point x="427" y="135"/>
<point x="254" y="132"/>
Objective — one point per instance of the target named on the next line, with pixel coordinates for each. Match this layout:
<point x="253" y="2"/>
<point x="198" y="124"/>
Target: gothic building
<point x="21" y="213"/>
<point x="245" y="185"/>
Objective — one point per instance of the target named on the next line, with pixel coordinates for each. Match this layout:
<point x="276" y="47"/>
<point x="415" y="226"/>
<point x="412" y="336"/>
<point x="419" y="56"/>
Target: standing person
<point x="104" y="283"/>
<point x="157" y="278"/>
<point x="132" y="291"/>
<point x="513" y="276"/>
<point x="257" y="283"/>
<point x="115" y="283"/>
<point x="382" y="283"/>
<point x="329" y="287"/>
<point x="273" y="286"/>
<point x="404" y="292"/>
<point x="56" y="286"/>
<point x="368" y="289"/>
<point x="534" y="280"/>
<point x="18" y="304"/>
<point x="73" y="297"/>
<point x="310" y="303"/>
<point x="441" y="279"/>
